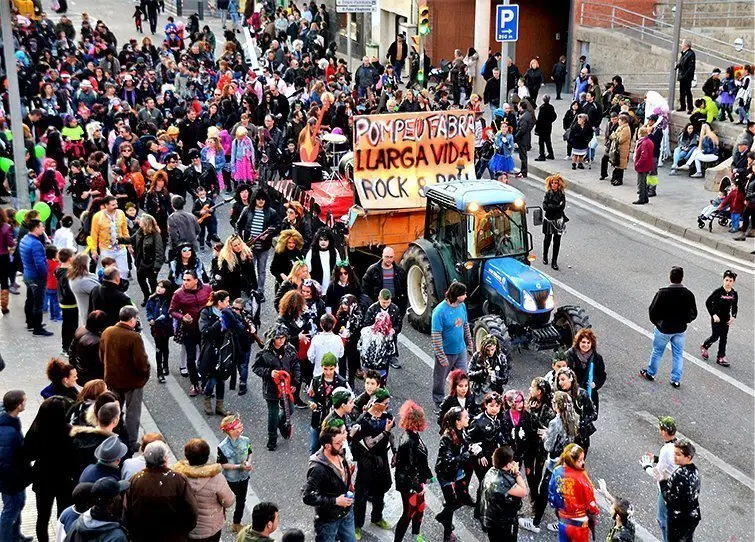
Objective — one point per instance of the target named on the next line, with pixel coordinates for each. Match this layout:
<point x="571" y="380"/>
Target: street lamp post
<point x="674" y="53"/>
<point x="14" y="102"/>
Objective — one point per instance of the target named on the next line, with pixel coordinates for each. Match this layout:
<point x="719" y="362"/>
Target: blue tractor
<point x="476" y="233"/>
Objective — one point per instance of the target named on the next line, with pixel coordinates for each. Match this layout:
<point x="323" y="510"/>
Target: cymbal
<point x="334" y="138"/>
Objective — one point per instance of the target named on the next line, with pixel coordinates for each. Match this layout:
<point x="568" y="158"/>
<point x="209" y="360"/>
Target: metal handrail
<point x="649" y="26"/>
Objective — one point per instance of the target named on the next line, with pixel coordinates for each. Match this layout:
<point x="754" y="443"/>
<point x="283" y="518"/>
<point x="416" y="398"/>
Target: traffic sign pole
<point x="504" y="56"/>
<point x="348" y="40"/>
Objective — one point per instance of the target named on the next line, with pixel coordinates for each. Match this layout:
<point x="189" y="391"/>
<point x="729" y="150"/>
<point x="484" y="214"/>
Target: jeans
<point x="10" y="516"/>
<point x="397" y="67"/>
<point x="340" y="529"/>
<point x="217" y="385"/>
<point x="314" y="440"/>
<point x="660" y="341"/>
<point x="680" y="154"/>
<point x="735" y="218"/>
<point x="440" y="373"/>
<point x="697" y="156"/>
<point x="239" y="489"/>
<point x="35" y="297"/>
<point x="260" y="260"/>
<point x="208" y="230"/>
<point x="719" y="332"/>
<point x="162" y="354"/>
<point x="223" y="17"/>
<point x="191" y="345"/>
<point x="662" y="517"/>
<point x="52" y="306"/>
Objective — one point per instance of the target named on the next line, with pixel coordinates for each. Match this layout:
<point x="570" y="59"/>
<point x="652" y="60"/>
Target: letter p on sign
<point x="507" y="22"/>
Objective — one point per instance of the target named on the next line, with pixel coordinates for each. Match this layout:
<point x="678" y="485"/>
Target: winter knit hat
<point x="341" y="396"/>
<point x="329" y="360"/>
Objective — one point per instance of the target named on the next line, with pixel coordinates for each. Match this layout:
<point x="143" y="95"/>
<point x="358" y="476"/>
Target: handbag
<point x="567" y="133"/>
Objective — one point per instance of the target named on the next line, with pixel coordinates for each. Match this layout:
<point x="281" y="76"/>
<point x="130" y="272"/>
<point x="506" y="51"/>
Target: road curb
<point x="693" y="234"/>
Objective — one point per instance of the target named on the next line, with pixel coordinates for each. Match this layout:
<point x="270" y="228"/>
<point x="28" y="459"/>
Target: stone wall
<point x="719" y="14"/>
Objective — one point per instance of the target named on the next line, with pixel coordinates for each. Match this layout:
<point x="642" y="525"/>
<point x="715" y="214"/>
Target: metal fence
<point x="725" y="13"/>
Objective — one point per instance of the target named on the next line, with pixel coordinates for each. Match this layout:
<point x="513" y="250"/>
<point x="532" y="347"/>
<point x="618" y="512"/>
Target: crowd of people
<point x="141" y="145"/>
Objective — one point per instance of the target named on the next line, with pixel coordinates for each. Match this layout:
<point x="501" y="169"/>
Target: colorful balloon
<point x="43" y="209"/>
<point x="5" y="164"/>
<point x="20" y="214"/>
<point x="39" y="151"/>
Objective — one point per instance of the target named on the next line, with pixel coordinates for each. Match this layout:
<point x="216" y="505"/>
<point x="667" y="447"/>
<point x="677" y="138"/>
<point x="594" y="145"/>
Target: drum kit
<point x="335" y="149"/>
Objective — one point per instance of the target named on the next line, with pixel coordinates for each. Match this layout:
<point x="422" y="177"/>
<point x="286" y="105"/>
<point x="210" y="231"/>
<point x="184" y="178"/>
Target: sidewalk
<point x="26" y="358"/>
<point x="676" y="208"/>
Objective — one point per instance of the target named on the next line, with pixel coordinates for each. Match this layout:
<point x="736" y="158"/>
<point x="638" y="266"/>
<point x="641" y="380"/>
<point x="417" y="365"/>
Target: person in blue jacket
<point x="32" y="250"/>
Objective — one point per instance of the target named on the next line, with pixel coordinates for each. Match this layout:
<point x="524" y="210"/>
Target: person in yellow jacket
<point x="110" y="234"/>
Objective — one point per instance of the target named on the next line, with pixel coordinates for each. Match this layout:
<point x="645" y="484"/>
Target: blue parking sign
<point x="507" y="23"/>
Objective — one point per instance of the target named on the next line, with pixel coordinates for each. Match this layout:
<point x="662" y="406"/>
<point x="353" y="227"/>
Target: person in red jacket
<point x="643" y="164"/>
<point x="735" y="201"/>
<point x="571" y="493"/>
<point x="185" y="306"/>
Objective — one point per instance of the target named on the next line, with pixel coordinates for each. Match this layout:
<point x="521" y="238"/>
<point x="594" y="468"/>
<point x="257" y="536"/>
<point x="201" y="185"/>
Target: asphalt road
<point x="612" y="269"/>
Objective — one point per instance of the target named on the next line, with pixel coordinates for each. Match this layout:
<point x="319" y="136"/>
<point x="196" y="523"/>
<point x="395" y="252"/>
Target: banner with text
<point x="396" y="156"/>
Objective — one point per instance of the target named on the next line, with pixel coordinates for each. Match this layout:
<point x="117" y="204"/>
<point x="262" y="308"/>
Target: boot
<point x="208" y="405"/>
<point x="219" y="408"/>
<point x="750" y="233"/>
<point x="651" y="191"/>
<point x="4" y="295"/>
<point x="741" y="236"/>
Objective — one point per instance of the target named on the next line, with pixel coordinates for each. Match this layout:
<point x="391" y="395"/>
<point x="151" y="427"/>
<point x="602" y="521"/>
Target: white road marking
<point x="201" y="428"/>
<point x="642" y="331"/>
<point x="732" y="471"/>
<point x="655" y="233"/>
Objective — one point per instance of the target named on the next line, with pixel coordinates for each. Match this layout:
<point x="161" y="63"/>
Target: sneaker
<point x="704" y="352"/>
<point x="242" y="389"/>
<point x="358" y="533"/>
<point x="647" y="376"/>
<point x="540" y="159"/>
<point x="184" y="373"/>
<point x="567" y="157"/>
<point x="419" y="538"/>
<point x="42" y="332"/>
<point x="15" y="289"/>
<point x="63" y="354"/>
<point x="161" y="379"/>
<point x="526" y="523"/>
<point x="395" y="364"/>
<point x="698" y="175"/>
<point x="723" y="362"/>
<point x="382" y="524"/>
<point x="193" y="391"/>
<point x="553" y="527"/>
<point x="675" y="384"/>
<point x="574" y="166"/>
<point x="272" y="446"/>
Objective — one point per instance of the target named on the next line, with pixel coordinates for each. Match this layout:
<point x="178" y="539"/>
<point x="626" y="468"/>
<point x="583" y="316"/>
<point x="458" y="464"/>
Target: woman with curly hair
<point x="298" y="274"/>
<point x="348" y="322"/>
<point x="236" y="272"/>
<point x="555" y="221"/>
<point x="587" y="364"/>
<point x="489" y="368"/>
<point x="412" y="469"/>
<point x="342" y="282"/>
<point x="149" y="254"/>
<point x="290" y="311"/>
<point x="62" y="377"/>
<point x="459" y="395"/>
<point x="288" y="249"/>
<point x="566" y="381"/>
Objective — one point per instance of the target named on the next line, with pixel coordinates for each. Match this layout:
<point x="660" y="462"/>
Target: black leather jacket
<point x="412" y="469"/>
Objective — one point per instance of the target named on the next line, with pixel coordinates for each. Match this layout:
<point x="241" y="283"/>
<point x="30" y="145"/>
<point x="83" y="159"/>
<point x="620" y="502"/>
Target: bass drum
<point x="346" y="166"/>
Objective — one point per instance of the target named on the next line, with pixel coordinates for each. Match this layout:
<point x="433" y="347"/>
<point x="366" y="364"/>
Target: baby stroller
<point x="710" y="213"/>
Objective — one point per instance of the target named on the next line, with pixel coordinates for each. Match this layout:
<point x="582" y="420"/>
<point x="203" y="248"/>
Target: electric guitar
<point x="206" y="211"/>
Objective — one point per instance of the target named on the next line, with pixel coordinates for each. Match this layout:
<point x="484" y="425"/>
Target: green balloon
<point x="39" y="151"/>
<point x="43" y="209"/>
<point x="5" y="164"/>
<point x="20" y="214"/>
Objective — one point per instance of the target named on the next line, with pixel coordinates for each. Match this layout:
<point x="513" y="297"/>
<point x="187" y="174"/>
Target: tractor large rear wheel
<point x="492" y="325"/>
<point x="420" y="288"/>
<point x="568" y="320"/>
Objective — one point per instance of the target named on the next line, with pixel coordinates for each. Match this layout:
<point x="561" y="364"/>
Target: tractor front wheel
<point x="568" y="320"/>
<point x="492" y="325"/>
<point x="420" y="288"/>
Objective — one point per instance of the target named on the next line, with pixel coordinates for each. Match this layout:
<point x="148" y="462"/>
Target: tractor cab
<point x="476" y="233"/>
